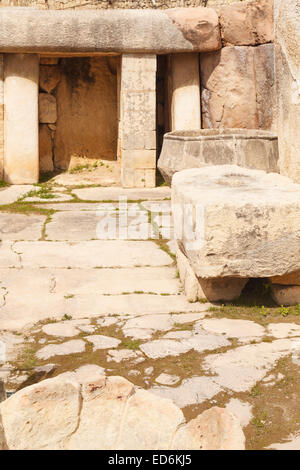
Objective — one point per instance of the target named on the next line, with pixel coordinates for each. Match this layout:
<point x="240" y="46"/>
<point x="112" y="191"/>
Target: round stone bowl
<point x="248" y="148"/>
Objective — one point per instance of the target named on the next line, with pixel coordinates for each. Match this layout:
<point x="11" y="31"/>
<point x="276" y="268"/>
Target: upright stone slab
<point x="21" y="131"/>
<point x="185" y="92"/>
<point x="138" y="120"/>
<point x="1" y="116"/>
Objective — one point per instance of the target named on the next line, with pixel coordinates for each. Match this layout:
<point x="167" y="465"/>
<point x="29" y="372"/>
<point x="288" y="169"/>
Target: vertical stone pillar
<point x="21" y="129"/>
<point x="1" y="116"/>
<point x="138" y="120"/>
<point x="185" y="92"/>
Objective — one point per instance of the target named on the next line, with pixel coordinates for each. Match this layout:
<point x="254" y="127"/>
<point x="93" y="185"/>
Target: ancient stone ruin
<point x="149" y="177"/>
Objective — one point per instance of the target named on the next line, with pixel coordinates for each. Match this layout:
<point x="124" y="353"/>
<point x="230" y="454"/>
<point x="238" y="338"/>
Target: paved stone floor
<point x="82" y="284"/>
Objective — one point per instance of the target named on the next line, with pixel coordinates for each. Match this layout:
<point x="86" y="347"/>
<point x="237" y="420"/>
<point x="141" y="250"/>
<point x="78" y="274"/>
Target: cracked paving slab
<point x="114" y="193"/>
<point x="69" y="347"/>
<point x="21" y="226"/>
<point x="11" y="194"/>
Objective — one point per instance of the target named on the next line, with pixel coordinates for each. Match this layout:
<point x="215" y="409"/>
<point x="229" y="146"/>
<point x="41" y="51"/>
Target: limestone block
<point x="49" y="60"/>
<point x="45" y="149"/>
<point x="2" y="393"/>
<point x="191" y="286"/>
<point x="1" y="116"/>
<point x="287" y="279"/>
<point x="47" y="108"/>
<point x="285" y="295"/>
<point x="226" y="288"/>
<point x="287" y="72"/>
<point x="194" y="149"/>
<point x="237" y="222"/>
<point x="247" y="23"/>
<point x="236" y="83"/>
<point x="21" y="133"/>
<point x="199" y="25"/>
<point x="185" y="92"/>
<point x="49" y="77"/>
<point x="41" y="416"/>
<point x="215" y="428"/>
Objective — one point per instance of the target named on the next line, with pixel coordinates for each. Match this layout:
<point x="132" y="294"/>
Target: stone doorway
<point x="79" y="116"/>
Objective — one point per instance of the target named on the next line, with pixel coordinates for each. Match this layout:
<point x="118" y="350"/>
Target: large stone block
<point x="194" y="149"/>
<point x="247" y="23"/>
<point x="1" y="116"/>
<point x="21" y="131"/>
<point x="236" y="84"/>
<point x="45" y="149"/>
<point x="49" y="77"/>
<point x="47" y="108"/>
<point x="235" y="222"/>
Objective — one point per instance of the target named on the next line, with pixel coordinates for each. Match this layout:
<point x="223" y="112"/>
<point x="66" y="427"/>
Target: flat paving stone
<point x="89" y="372"/>
<point x="21" y="226"/>
<point x="157" y="206"/>
<point x="120" y="355"/>
<point x="292" y="443"/>
<point x="13" y="193"/>
<point x="63" y="349"/>
<point x="102" y="342"/>
<point x="241" y="368"/>
<point x="191" y="391"/>
<point x="9" y="258"/>
<point x="233" y="328"/>
<point x="88" y="225"/>
<point x="242" y="410"/>
<point x="164" y="347"/>
<point x="283" y="330"/>
<point x="57" y="197"/>
<point x="78" y="206"/>
<point x="63" y="329"/>
<point x="92" y="254"/>
<point x="113" y="194"/>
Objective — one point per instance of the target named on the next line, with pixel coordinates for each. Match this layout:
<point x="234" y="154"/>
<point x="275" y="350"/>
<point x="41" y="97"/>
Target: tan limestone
<point x="45" y="149"/>
<point x="21" y="153"/>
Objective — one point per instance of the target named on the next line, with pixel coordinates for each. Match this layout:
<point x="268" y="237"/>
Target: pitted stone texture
<point x="253" y="148"/>
<point x="228" y="202"/>
<point x="29" y="419"/>
<point x="247" y="23"/>
<point x="236" y="83"/>
<point x="15" y="226"/>
<point x="69" y="347"/>
<point x="285" y="295"/>
<point x="240" y="369"/>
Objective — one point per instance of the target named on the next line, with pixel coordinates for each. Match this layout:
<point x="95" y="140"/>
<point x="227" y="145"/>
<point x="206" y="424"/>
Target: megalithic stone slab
<point x="237" y="222"/>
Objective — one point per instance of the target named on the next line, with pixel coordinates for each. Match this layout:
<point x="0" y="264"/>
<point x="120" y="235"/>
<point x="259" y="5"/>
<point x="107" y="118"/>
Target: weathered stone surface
<point x="248" y="23"/>
<point x="236" y="83"/>
<point x="20" y="226"/>
<point x="49" y="77"/>
<point x="13" y="193"/>
<point x="191" y="286"/>
<point x="232" y="328"/>
<point x="185" y="92"/>
<point x="1" y="115"/>
<point x="102" y="342"/>
<point x="63" y="329"/>
<point x="228" y="201"/>
<point x="287" y="279"/>
<point x="45" y="149"/>
<point x="241" y="410"/>
<point x="41" y="416"/>
<point x="113" y="194"/>
<point x="109" y="31"/>
<point x="200" y="26"/>
<point x="215" y="428"/>
<point x="69" y="347"/>
<point x="283" y="330"/>
<point x="47" y="108"/>
<point x="226" y="288"/>
<point x="167" y="379"/>
<point x="195" y="149"/>
<point x="86" y="131"/>
<point x="21" y="137"/>
<point x="285" y="295"/>
<point x="241" y="368"/>
<point x="2" y="395"/>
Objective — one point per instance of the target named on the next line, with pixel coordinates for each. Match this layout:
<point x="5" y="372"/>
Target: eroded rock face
<point x="226" y="288"/>
<point x="247" y="221"/>
<point x="285" y="295"/>
<point x="237" y="81"/>
<point x="77" y="412"/>
<point x="247" y="23"/>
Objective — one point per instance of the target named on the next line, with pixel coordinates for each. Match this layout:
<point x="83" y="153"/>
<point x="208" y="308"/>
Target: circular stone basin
<point x="248" y="148"/>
